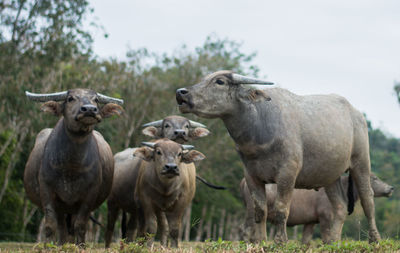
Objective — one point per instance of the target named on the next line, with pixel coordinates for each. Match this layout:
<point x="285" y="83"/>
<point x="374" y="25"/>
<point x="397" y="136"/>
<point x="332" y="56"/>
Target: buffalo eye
<point x="158" y="152"/>
<point x="166" y="126"/>
<point x="70" y="99"/>
<point x="96" y="100"/>
<point x="220" y="82"/>
<point x="187" y="126"/>
<point x="180" y="154"/>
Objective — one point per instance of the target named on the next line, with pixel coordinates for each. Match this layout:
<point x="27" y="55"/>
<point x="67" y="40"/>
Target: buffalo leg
<point x="132" y="227"/>
<point x="80" y="228"/>
<point x="50" y="214"/>
<point x="257" y="190"/>
<point x="248" y="230"/>
<point x="285" y="186"/>
<point x="62" y="228"/>
<point x="70" y="219"/>
<point x="174" y="222"/>
<point x="324" y="225"/>
<point x="141" y="224"/>
<point x="308" y="231"/>
<point x="339" y="210"/>
<point x="361" y="176"/>
<point x="163" y="227"/>
<point x="150" y="226"/>
<point x="82" y="219"/>
<point x="360" y="171"/>
<point x="112" y="215"/>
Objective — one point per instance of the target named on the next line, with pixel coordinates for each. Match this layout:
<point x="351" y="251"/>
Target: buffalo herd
<point x="295" y="150"/>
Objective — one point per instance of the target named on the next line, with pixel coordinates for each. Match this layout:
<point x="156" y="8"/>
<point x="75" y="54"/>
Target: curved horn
<point x="156" y="123"/>
<point x="196" y="124"/>
<point x="187" y="147"/>
<point x="37" y="97"/>
<point x="239" y="79"/>
<point x="149" y="144"/>
<point x="106" y="99"/>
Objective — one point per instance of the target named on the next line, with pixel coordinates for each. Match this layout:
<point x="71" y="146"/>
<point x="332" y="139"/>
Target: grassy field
<point x="387" y="245"/>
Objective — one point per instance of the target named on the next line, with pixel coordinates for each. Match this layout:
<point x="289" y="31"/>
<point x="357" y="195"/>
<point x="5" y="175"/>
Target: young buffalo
<point x="176" y="128"/>
<point x="310" y="207"/>
<point x="165" y="186"/>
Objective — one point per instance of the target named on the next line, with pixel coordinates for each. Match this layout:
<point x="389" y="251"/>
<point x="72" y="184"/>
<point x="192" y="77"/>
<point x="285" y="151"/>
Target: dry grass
<point x="209" y="246"/>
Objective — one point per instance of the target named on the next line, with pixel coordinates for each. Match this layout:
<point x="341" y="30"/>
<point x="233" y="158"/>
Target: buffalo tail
<point x="210" y="185"/>
<point x="96" y="221"/>
<point x="350" y="196"/>
<point x="123" y="225"/>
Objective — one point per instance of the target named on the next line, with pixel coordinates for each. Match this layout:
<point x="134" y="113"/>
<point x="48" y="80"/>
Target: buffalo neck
<point x="253" y="122"/>
<point x="70" y="149"/>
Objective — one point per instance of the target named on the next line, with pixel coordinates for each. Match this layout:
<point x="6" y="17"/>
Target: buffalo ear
<point x="198" y="132"/>
<point x="151" y="131"/>
<point x="111" y="109"/>
<point x="52" y="107"/>
<point x="144" y="153"/>
<point x="192" y="156"/>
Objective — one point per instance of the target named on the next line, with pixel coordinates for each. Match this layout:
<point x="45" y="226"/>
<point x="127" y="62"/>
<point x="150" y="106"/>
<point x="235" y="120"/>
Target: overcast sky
<point x="351" y="48"/>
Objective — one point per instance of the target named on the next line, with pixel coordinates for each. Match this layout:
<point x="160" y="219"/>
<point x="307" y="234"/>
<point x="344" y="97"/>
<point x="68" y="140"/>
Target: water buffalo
<point x="310" y="207"/>
<point x="294" y="141"/>
<point x="166" y="185"/>
<point x="176" y="128"/>
<point x="70" y="169"/>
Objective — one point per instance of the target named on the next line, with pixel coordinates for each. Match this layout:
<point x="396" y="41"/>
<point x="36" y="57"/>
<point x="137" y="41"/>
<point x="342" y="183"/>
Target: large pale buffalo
<point x="309" y="207"/>
<point x="176" y="128"/>
<point x="291" y="140"/>
<point x="70" y="169"/>
<point x="166" y="185"/>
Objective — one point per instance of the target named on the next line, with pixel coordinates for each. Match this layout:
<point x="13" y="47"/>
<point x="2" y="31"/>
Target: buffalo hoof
<point x="373" y="236"/>
<point x="280" y="239"/>
<point x="256" y="240"/>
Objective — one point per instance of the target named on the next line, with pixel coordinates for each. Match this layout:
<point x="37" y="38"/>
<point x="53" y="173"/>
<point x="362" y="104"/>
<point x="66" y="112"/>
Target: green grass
<point x="387" y="245"/>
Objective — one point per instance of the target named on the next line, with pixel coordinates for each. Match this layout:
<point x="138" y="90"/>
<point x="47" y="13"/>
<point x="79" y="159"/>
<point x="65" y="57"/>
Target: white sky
<point x="351" y="48"/>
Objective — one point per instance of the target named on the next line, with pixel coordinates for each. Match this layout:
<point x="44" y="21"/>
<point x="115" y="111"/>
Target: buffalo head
<point x="215" y="96"/>
<point x="380" y="188"/>
<point x="176" y="128"/>
<point x="81" y="108"/>
<point x="167" y="156"/>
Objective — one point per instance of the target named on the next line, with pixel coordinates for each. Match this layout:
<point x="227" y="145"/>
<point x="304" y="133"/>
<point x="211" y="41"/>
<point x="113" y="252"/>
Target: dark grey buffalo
<point x="176" y="128"/>
<point x="309" y="207"/>
<point x="293" y="141"/>
<point x="70" y="169"/>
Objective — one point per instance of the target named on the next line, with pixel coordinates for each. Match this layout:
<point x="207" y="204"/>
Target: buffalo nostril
<point x="182" y="91"/>
<point x="88" y="108"/>
<point x="171" y="166"/>
<point x="180" y="132"/>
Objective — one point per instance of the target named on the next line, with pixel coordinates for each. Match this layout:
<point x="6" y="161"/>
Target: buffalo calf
<point x="310" y="207"/>
<point x="166" y="185"/>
